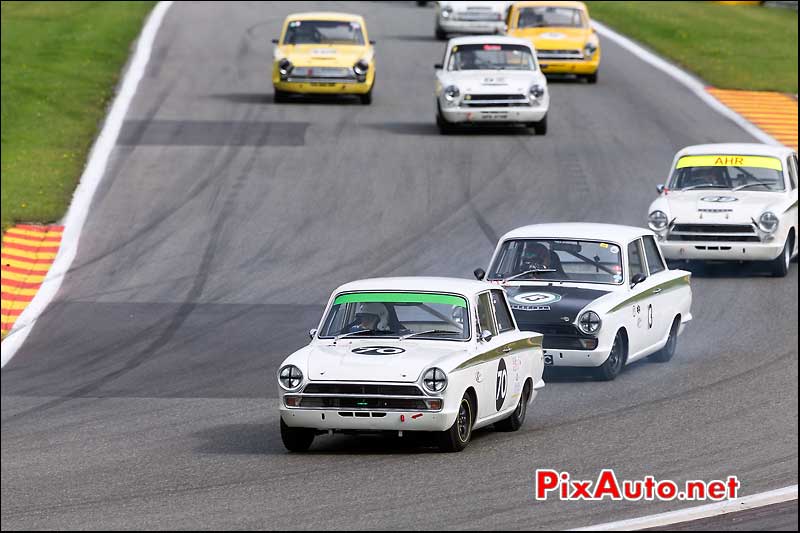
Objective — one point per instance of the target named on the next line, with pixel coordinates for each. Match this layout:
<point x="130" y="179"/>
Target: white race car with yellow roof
<point x="729" y="202"/>
<point x="601" y="294"/>
<point x="491" y="79"/>
<point x="435" y="355"/>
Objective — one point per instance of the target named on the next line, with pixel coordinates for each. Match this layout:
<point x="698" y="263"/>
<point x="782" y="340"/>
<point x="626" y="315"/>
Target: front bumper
<point x="721" y="251"/>
<point x="335" y="419"/>
<point x="580" y="67"/>
<point x="323" y="87"/>
<point x="480" y="27"/>
<point x="520" y="114"/>
<point x="576" y="358"/>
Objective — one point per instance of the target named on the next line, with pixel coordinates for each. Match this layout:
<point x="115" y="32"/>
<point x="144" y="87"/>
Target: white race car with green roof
<point x="601" y="294"/>
<point x="399" y="355"/>
<point x="729" y="202"/>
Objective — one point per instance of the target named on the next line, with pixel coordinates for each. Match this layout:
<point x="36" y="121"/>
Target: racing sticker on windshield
<point x="755" y="161"/>
<point x="295" y="23"/>
<point x="603" y="245"/>
<point x="613" y="250"/>
<point x="502" y="384"/>
<point x="378" y="350"/>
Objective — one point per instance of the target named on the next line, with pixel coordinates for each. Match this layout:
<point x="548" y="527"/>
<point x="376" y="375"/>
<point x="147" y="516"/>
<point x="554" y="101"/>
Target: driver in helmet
<point x="369" y="317"/>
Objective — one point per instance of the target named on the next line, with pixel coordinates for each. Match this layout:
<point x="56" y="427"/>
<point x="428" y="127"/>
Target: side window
<point x="653" y="257"/>
<point x="791" y="163"/>
<point x="485" y="314"/>
<point x="635" y="263"/>
<point x="501" y="312"/>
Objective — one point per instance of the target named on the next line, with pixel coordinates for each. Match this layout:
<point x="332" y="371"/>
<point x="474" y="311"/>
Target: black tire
<point x="441" y="34"/>
<point x="458" y="436"/>
<point x="296" y="439"/>
<point x="366" y="98"/>
<point x="591" y="78"/>
<point x="615" y="362"/>
<point x="280" y="96"/>
<point x="666" y="353"/>
<point x="517" y="418"/>
<point x="540" y="128"/>
<point x="780" y="265"/>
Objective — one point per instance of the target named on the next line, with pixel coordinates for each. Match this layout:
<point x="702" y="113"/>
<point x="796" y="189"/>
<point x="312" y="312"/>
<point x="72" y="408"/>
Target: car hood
<point x="718" y="206"/>
<point x="322" y="55"/>
<point x="380" y="363"/>
<point x="555" y="38"/>
<point x="549" y="304"/>
<point x="492" y="81"/>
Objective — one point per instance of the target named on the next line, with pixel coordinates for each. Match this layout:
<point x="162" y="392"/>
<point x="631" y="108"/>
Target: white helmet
<point x="377" y="309"/>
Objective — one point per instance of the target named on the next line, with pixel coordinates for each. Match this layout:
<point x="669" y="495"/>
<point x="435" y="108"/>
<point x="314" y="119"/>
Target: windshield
<point x="323" y="32"/>
<point x="397" y="314"/>
<point x="490" y="57"/>
<point x="558" y="260"/>
<point x="544" y="17"/>
<point x="728" y="173"/>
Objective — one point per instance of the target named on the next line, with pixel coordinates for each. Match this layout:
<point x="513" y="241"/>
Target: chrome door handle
<point x="507" y="349"/>
<point x="656" y="291"/>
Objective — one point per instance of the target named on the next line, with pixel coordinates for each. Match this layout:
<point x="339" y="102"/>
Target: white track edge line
<point x="686" y="79"/>
<point x="697" y="513"/>
<point x="90" y="179"/>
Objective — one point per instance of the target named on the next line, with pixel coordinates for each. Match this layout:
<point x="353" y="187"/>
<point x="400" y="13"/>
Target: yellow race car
<point x="324" y="53"/>
<point x="562" y="35"/>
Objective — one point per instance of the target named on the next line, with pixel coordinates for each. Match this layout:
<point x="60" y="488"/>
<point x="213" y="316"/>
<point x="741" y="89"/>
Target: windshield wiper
<point x="427" y="332"/>
<point x="746" y="185"/>
<point x="703" y="186"/>
<point x="359" y="332"/>
<point x="532" y="271"/>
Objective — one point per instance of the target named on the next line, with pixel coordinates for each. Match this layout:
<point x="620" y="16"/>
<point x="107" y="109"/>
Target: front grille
<point x="476" y="15"/>
<point x="561" y="336"/>
<point x="495" y="100"/>
<point x="322" y="75"/>
<point x="713" y="233"/>
<point x="559" y="54"/>
<point x="363" y="396"/>
<point x="360" y="389"/>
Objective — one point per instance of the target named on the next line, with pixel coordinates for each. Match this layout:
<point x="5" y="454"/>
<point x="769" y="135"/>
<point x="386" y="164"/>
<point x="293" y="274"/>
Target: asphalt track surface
<point x="145" y="397"/>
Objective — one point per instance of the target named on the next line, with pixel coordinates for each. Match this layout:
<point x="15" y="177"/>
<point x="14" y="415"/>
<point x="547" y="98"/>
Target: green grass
<point x="60" y="64"/>
<point x="731" y="47"/>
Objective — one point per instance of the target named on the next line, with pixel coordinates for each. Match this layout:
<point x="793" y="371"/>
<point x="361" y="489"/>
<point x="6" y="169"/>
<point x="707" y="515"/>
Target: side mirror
<point x="371" y="41"/>
<point x="274" y="41"/>
<point x="638" y="278"/>
<point x="660" y="188"/>
<point x="486" y="335"/>
<point x="312" y="333"/>
<point x="479" y="274"/>
<point x="438" y="66"/>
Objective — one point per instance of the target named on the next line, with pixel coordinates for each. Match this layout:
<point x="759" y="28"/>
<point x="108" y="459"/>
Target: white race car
<point x="411" y="354"/>
<point x="601" y="294"/>
<point x="470" y="17"/>
<point x="491" y="79"/>
<point x="729" y="202"/>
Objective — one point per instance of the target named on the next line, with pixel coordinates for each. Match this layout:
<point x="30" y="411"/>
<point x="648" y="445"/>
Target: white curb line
<point x="697" y="513"/>
<point x="90" y="179"/>
<point x="686" y="79"/>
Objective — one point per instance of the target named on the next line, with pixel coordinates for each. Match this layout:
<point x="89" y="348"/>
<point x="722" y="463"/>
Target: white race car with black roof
<point x="601" y="294"/>
<point x="414" y="354"/>
<point x="490" y="80"/>
<point x="729" y="202"/>
<point x="470" y="17"/>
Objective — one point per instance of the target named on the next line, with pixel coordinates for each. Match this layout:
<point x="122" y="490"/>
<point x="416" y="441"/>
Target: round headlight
<point x="434" y="380"/>
<point x="451" y="93"/>
<point x="536" y="90"/>
<point x="657" y="220"/>
<point x="285" y="66"/>
<point x="290" y="377"/>
<point x="589" y="49"/>
<point x="768" y="222"/>
<point x="361" y="68"/>
<point x="447" y="11"/>
<point x="590" y="322"/>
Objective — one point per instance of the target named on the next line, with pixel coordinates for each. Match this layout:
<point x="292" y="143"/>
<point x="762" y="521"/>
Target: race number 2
<point x="502" y="384"/>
